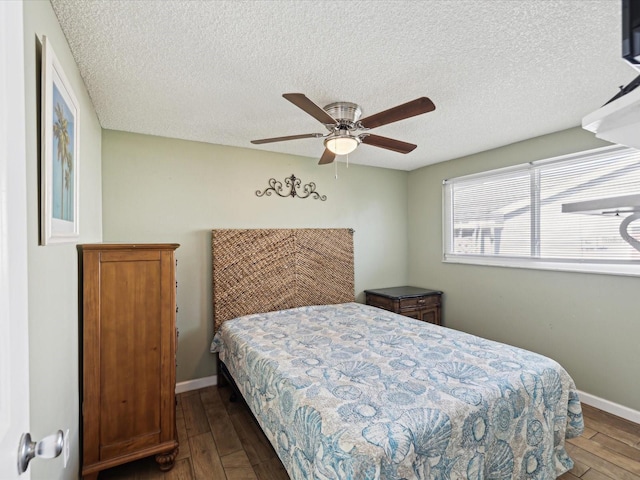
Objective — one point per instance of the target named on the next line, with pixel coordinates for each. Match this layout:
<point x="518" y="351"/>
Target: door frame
<point x="14" y="341"/>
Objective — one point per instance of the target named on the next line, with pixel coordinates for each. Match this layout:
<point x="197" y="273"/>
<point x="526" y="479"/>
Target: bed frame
<point x="259" y="271"/>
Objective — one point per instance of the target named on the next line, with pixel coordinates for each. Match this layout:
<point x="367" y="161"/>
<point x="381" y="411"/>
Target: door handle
<point x="49" y="447"/>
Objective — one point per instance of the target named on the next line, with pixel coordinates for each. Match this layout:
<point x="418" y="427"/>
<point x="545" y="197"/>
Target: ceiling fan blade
<point x="388" y="143"/>
<point x="301" y="101"/>
<point x="327" y="157"/>
<point x="290" y="137"/>
<point x="406" y="110"/>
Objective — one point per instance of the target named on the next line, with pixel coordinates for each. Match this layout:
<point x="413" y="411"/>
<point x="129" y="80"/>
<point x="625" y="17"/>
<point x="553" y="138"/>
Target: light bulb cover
<point x="342" y="144"/>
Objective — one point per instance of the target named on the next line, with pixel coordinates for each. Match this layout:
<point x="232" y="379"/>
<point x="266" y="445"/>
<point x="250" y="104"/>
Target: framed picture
<point x="60" y="123"/>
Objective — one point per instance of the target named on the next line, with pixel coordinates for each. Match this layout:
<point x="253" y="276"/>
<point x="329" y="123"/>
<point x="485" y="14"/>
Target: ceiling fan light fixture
<point x="342" y="144"/>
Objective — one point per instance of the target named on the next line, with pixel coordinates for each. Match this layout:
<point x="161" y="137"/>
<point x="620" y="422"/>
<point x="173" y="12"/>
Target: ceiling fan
<point x="343" y="121"/>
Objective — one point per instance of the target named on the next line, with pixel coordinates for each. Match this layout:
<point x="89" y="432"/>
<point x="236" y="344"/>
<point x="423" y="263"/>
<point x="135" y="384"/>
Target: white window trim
<point x="535" y="264"/>
<point x="579" y="266"/>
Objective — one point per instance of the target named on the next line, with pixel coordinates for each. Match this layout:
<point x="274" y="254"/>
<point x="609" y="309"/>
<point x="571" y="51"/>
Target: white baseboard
<point x="610" y="407"/>
<point x="196" y="383"/>
<point x="597" y="402"/>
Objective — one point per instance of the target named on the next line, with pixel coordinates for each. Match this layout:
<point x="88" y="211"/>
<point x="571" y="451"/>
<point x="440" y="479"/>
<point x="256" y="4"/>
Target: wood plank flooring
<point x="219" y="440"/>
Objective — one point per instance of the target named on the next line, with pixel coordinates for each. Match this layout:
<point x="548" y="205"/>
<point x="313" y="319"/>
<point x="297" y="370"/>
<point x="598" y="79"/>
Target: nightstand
<point x="420" y="303"/>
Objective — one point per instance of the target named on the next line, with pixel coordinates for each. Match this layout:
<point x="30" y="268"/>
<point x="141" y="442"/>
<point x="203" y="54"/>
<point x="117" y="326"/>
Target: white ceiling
<point x="498" y="71"/>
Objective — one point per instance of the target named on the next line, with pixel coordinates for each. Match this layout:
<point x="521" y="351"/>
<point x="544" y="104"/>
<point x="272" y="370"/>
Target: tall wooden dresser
<point x="128" y="355"/>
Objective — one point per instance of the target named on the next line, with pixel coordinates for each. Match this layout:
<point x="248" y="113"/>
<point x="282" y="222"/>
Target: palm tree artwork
<point x="63" y="179"/>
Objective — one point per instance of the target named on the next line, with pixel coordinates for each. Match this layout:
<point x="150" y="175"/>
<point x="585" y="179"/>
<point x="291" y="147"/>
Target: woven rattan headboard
<point x="263" y="270"/>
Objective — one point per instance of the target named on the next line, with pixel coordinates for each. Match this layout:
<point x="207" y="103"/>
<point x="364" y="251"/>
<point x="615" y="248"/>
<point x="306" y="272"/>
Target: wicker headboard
<point x="263" y="270"/>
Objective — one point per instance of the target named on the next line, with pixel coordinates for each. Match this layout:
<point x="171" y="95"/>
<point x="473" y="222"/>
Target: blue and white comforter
<point x="354" y="392"/>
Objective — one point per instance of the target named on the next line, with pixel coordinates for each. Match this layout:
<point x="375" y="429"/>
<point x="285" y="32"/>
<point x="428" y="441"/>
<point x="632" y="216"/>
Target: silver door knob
<point x="48" y="447"/>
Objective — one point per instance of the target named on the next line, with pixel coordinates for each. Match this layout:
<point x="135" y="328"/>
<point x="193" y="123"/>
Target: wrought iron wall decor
<point x="293" y="183"/>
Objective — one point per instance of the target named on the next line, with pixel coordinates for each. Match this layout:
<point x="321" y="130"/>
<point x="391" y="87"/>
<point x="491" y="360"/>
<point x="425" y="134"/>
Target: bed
<point x="348" y="391"/>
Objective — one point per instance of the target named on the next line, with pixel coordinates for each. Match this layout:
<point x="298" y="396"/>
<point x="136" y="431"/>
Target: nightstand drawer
<point x="419" y="302"/>
<point x="381" y="302"/>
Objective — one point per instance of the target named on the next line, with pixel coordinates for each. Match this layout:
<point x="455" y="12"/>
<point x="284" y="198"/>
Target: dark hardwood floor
<point x="220" y="440"/>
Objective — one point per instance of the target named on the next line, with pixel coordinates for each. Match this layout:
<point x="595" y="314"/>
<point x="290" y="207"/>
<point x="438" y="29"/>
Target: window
<point x="534" y="215"/>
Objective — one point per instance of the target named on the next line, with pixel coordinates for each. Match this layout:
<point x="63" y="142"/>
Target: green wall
<point x="165" y="190"/>
<point x="52" y="270"/>
<point x="590" y="323"/>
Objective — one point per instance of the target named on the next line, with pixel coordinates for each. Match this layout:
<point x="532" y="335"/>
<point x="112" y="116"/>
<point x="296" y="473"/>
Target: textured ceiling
<point x="498" y="71"/>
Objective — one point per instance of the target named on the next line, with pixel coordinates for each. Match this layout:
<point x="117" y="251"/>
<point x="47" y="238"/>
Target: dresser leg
<point x="165" y="461"/>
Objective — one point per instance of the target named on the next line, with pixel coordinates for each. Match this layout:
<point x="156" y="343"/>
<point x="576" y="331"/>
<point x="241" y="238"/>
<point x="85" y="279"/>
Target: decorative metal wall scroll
<point x="293" y="183"/>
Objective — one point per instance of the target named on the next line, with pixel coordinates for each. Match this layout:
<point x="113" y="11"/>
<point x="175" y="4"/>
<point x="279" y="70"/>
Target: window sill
<point x="620" y="269"/>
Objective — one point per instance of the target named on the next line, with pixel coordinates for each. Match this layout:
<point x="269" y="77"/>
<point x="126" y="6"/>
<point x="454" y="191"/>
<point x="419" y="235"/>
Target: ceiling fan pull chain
<point x="336" y="167"/>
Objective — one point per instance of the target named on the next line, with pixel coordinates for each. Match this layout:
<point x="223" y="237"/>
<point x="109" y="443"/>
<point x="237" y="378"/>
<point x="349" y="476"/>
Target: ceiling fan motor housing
<point x="346" y="113"/>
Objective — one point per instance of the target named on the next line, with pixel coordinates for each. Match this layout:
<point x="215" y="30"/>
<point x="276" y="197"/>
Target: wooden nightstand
<point x="420" y="303"/>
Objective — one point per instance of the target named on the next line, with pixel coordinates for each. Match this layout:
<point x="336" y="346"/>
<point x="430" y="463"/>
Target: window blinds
<point x="517" y="212"/>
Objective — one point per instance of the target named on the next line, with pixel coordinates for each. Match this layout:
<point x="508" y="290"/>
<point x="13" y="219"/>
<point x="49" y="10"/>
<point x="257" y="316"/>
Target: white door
<point x="14" y="346"/>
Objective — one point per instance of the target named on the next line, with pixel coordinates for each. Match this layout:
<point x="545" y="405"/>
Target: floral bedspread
<point x="354" y="392"/>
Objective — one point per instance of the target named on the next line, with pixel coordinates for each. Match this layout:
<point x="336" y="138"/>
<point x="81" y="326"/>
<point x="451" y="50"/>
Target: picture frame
<point x="60" y="156"/>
